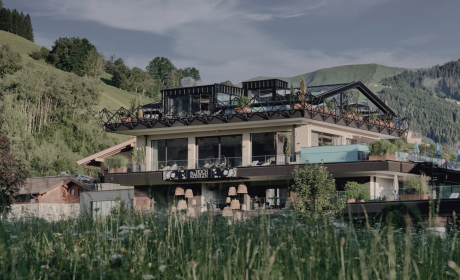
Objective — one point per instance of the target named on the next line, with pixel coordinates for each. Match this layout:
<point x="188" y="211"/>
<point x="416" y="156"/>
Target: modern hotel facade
<point x="208" y="139"/>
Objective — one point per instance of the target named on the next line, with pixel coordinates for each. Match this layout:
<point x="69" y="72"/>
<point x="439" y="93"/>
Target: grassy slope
<point x="112" y="98"/>
<point x="366" y="73"/>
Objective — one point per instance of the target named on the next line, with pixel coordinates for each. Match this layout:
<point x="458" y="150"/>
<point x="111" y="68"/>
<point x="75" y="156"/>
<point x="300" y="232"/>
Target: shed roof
<point x="39" y="184"/>
<point x="99" y="157"/>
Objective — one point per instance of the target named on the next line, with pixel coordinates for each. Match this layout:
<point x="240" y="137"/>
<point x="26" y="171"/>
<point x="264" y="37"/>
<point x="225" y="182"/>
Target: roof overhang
<point x="100" y="156"/>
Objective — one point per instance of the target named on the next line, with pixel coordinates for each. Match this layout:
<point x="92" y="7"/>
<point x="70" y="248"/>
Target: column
<point x="246" y="149"/>
<point x="191" y="152"/>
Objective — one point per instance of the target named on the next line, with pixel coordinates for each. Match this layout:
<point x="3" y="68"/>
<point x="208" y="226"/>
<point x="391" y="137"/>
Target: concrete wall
<point x="384" y="187"/>
<point x="48" y="211"/>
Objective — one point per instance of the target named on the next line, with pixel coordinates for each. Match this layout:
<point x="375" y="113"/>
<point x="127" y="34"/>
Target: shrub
<point x="415" y="185"/>
<point x="394" y="214"/>
<point x="10" y="61"/>
<point x="116" y="161"/>
<point x="243" y="102"/>
<point x="382" y="147"/>
<point x="357" y="191"/>
<point x="287" y="146"/>
<point x="142" y="154"/>
<point x="42" y="53"/>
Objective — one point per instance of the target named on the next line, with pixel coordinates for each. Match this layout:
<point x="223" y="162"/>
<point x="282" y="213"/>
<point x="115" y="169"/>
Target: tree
<point x="191" y="72"/>
<point x="71" y="54"/>
<point x="21" y="25"/>
<point x="5" y="20"/>
<point x="29" y="29"/>
<point x="160" y="68"/>
<point x="109" y="64"/>
<point x="292" y="95"/>
<point x="227" y="83"/>
<point x="10" y="61"/>
<point x="314" y="189"/>
<point x="12" y="176"/>
<point x="95" y="64"/>
<point x="121" y="74"/>
<point x="136" y="78"/>
<point x="15" y="22"/>
<point x="1" y="4"/>
<point x="303" y="89"/>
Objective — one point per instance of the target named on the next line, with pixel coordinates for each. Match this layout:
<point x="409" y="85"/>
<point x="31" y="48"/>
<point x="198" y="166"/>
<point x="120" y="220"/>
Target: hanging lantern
<point x="227" y="212"/>
<point x="242" y="188"/>
<point x="243" y="207"/>
<point x="238" y="216"/>
<point x="188" y="193"/>
<point x="182" y="205"/>
<point x="228" y="200"/>
<point x="232" y="191"/>
<point x="235" y="204"/>
<point x="179" y="191"/>
<point x="191" y="212"/>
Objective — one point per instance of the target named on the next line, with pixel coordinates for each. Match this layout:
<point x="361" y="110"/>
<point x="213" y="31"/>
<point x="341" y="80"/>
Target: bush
<point x="42" y="53"/>
<point x="243" y="102"/>
<point x="382" y="147"/>
<point x="10" y="61"/>
<point x="396" y="214"/>
<point x="357" y="191"/>
<point x="71" y="54"/>
<point x="116" y="161"/>
<point x="287" y="146"/>
<point x="414" y="185"/>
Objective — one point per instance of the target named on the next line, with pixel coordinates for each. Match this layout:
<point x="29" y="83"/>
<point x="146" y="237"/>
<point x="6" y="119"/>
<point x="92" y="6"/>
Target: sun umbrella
<point x="458" y="155"/>
<point x="395" y="185"/>
<point x="438" y="152"/>
<point x="416" y="149"/>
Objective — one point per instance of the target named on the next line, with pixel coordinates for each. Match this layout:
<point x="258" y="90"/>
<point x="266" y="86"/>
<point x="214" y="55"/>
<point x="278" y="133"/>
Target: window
<point x="72" y="192"/>
<point x="169" y="152"/>
<point x="229" y="147"/>
<point x="263" y="146"/>
<point x="324" y="139"/>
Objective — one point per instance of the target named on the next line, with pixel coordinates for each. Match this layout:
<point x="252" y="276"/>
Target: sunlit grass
<point x="159" y="246"/>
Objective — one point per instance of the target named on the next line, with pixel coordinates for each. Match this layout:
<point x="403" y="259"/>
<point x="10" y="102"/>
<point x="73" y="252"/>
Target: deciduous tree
<point x="10" y="61"/>
<point x="12" y="176"/>
<point x="71" y="54"/>
<point x="315" y="190"/>
<point x="227" y="83"/>
<point x="160" y="68"/>
<point x="94" y="64"/>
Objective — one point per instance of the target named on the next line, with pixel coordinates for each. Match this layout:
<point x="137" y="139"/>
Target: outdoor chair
<point x="454" y="195"/>
<point x="166" y="168"/>
<point x="209" y="162"/>
<point x="174" y="167"/>
<point x="221" y="162"/>
<point x="266" y="163"/>
<point x="255" y="163"/>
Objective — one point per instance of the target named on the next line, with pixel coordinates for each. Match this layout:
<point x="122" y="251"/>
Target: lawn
<point x="159" y="246"/>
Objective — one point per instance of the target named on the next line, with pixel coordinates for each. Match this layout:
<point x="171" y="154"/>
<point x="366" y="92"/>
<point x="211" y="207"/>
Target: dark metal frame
<point x="328" y="106"/>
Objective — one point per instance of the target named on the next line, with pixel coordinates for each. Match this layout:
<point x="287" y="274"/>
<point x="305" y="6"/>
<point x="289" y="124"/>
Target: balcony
<point x="218" y="108"/>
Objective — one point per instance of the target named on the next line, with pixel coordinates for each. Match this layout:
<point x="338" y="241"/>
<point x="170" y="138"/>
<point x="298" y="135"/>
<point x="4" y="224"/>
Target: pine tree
<point x="15" y="23"/>
<point x="1" y="4"/>
<point x="303" y="89"/>
<point x="29" y="29"/>
<point x="4" y="20"/>
<point x="22" y="25"/>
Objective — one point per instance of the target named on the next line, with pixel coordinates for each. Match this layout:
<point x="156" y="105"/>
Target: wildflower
<point x="13" y="237"/>
<point x="123" y="227"/>
<point x="83" y="255"/>
<point x="150" y="264"/>
<point x="147" y="231"/>
<point x="51" y="251"/>
<point x="123" y="232"/>
<point x="116" y="256"/>
<point x="193" y="264"/>
<point x="123" y="250"/>
<point x="272" y="260"/>
<point x="162" y="268"/>
<point x="147" y="276"/>
<point x="45" y="266"/>
<point x="80" y="249"/>
<point x="303" y="260"/>
<point x="141" y="226"/>
<point x="342" y="241"/>
<point x="132" y="271"/>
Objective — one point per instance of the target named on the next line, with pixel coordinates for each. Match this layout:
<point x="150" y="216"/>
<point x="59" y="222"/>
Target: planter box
<point x="362" y="200"/>
<point x="300" y="106"/>
<point x="126" y="119"/>
<point x="243" y="110"/>
<point x="142" y="168"/>
<point x="414" y="196"/>
<point x="118" y="170"/>
<point x="351" y="200"/>
<point x="134" y="168"/>
<point x="382" y="157"/>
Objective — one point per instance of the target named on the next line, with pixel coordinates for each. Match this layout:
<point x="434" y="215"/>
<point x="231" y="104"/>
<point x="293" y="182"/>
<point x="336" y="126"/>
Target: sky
<point x="241" y="39"/>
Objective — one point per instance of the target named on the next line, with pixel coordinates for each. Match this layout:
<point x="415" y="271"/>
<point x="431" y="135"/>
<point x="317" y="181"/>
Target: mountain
<point x="366" y="73"/>
<point x="52" y="144"/>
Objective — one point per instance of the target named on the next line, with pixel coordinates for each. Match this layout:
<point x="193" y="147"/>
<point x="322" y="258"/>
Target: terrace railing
<point x="263" y="108"/>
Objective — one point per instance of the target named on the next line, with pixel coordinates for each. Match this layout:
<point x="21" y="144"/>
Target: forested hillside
<point x="16" y="23"/>
<point x="420" y="94"/>
<point x="51" y="115"/>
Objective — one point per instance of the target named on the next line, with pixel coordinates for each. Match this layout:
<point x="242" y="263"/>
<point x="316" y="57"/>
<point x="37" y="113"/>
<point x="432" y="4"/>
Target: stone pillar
<point x="246" y="149"/>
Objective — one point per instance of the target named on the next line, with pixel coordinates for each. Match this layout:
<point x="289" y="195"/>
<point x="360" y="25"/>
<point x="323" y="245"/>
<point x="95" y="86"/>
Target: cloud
<point x="418" y="39"/>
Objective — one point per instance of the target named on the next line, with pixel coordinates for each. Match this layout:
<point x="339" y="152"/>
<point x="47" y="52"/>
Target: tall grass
<point x="159" y="246"/>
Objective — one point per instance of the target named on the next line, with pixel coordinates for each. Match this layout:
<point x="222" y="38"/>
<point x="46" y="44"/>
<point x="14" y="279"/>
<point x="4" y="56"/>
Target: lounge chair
<point x="255" y="163"/>
<point x="454" y="195"/>
<point x="174" y="167"/>
<point x="266" y="163"/>
<point x="209" y="162"/>
<point x="166" y="168"/>
<point x="221" y="162"/>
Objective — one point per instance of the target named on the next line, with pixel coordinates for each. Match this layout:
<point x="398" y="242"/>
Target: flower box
<point x="382" y="157"/>
<point x="352" y="200"/>
<point x="414" y="196"/>
<point x="118" y="170"/>
<point x="126" y="119"/>
<point x="243" y="110"/>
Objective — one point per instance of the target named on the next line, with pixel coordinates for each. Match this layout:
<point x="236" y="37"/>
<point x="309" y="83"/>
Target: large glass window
<point x="263" y="147"/>
<point x="183" y="106"/>
<point x="220" y="151"/>
<point x="169" y="153"/>
<point x="324" y="139"/>
<point x="223" y="99"/>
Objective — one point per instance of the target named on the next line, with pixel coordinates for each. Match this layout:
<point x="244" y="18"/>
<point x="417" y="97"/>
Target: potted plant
<point x="382" y="150"/>
<point x="302" y="93"/>
<point x="134" y="160"/>
<point x="287" y="149"/>
<point x="374" y="119"/>
<point x="116" y="163"/>
<point x="142" y="158"/>
<point x="330" y="107"/>
<point x="415" y="188"/>
<point x="357" y="192"/>
<point x="244" y="106"/>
